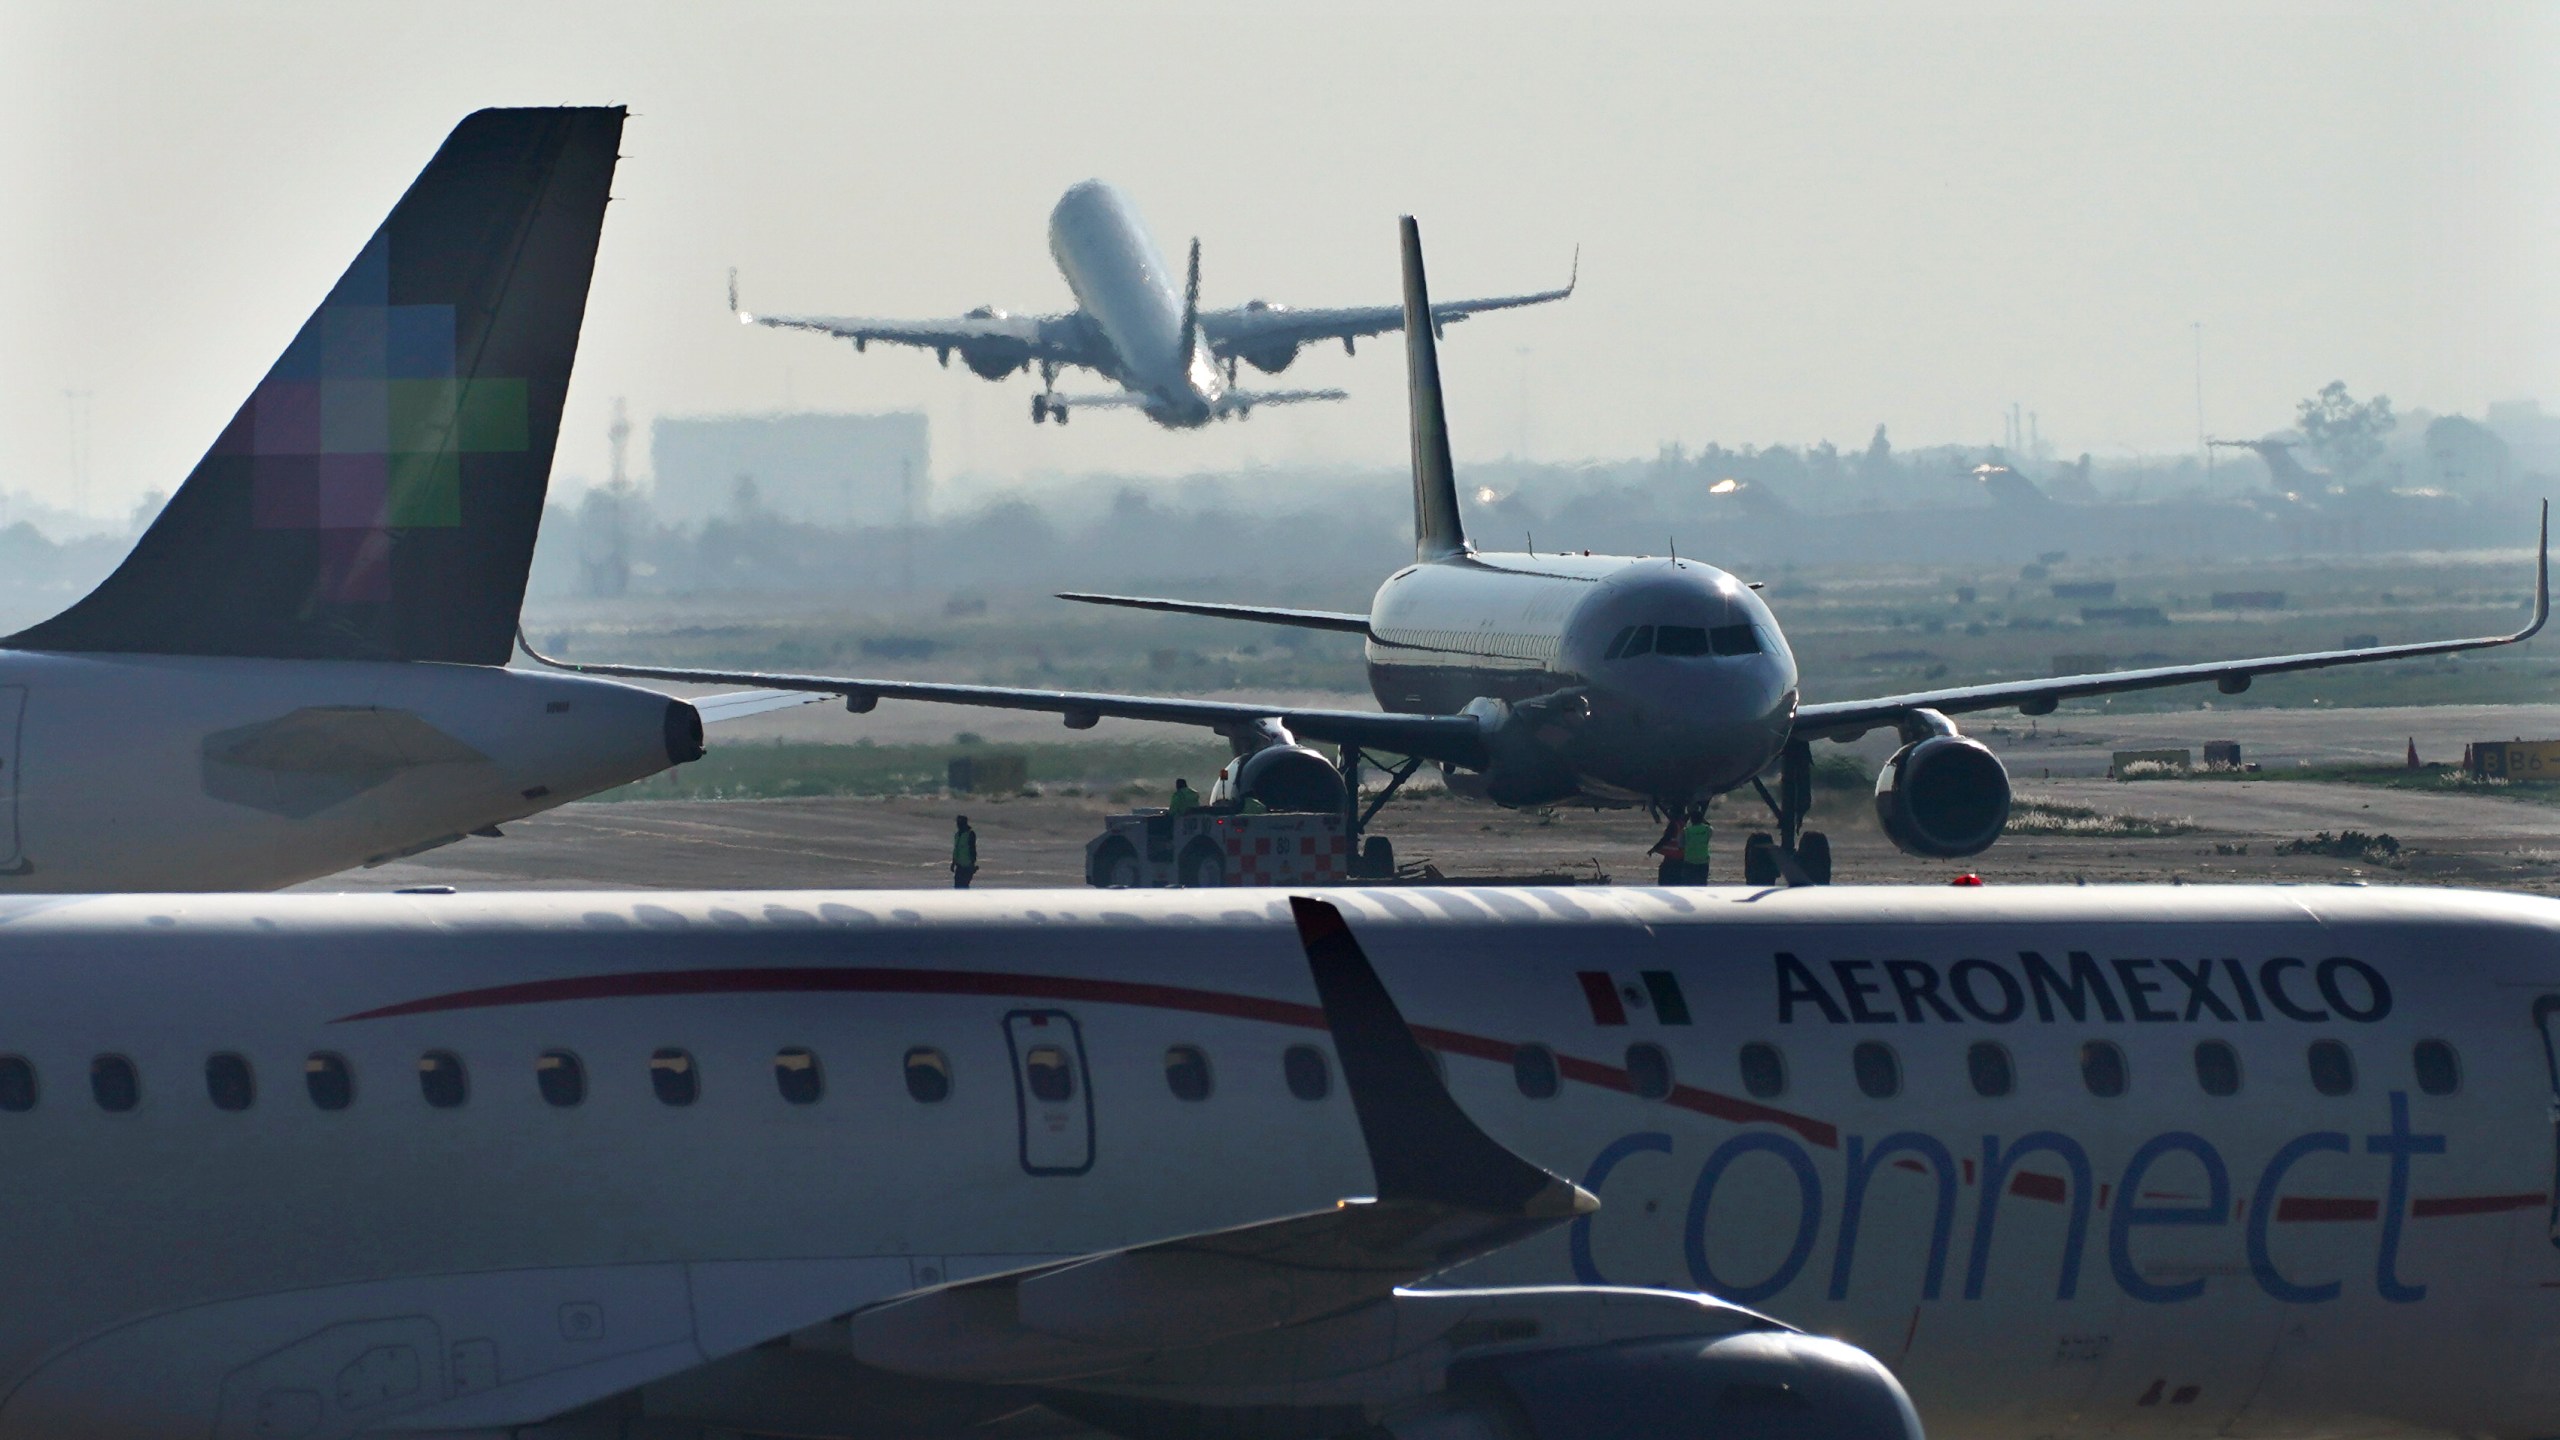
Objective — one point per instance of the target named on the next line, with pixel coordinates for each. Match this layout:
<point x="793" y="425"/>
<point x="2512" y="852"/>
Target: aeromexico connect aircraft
<point x="1547" y="677"/>
<point x="2190" y="1162"/>
<point x="1170" y="358"/>
<point x="300" y="667"/>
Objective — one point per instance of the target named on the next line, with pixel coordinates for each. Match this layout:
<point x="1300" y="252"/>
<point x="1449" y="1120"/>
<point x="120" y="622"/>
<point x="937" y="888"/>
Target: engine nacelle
<point x="1943" y="797"/>
<point x="1270" y="359"/>
<point x="995" y="359"/>
<point x="1289" y="777"/>
<point x="1769" y="1385"/>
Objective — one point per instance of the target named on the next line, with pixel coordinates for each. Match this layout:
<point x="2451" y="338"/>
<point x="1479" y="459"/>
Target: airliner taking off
<point x="1131" y="326"/>
<point x="2148" y="1162"/>
<point x="1538" y="678"/>
<point x="301" y="666"/>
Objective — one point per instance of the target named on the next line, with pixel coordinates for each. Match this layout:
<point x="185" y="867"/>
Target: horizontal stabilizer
<point x="1260" y="614"/>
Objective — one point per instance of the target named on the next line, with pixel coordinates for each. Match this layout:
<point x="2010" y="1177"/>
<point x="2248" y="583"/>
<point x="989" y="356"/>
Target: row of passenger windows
<point x="560" y="1077"/>
<point x="1683" y="641"/>
<point x="2104" y="1072"/>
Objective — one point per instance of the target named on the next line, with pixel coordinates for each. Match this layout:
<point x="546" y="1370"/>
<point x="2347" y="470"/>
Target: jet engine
<point x="1271" y="359"/>
<point x="1289" y="777"/>
<point x="995" y="359"/>
<point x="1769" y="1385"/>
<point x="1943" y="797"/>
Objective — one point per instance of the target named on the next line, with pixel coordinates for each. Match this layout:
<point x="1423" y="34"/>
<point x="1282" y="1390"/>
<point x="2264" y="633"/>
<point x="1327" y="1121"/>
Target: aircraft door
<point x="1052" y="1092"/>
<point x="2546" y="1018"/>
<point x="13" y="706"/>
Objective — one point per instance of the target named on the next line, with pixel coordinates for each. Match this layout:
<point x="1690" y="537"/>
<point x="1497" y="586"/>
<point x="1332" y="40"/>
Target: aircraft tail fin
<point x="377" y="496"/>
<point x="1437" y="530"/>
<point x="1191" y="308"/>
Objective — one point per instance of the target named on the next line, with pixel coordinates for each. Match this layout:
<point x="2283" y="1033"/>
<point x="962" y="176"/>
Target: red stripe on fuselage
<point x="877" y="980"/>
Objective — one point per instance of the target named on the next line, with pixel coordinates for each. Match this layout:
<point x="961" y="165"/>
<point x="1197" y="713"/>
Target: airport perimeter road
<point x="2069" y="744"/>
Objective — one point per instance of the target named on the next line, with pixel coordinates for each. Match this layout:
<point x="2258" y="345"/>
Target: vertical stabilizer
<point x="377" y="497"/>
<point x="1437" y="531"/>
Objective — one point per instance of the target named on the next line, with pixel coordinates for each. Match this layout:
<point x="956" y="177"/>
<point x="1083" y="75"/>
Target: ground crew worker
<point x="1250" y="806"/>
<point x="964" y="854"/>
<point x="1184" y="798"/>
<point x="1696" y="839"/>
<point x="1670" y="871"/>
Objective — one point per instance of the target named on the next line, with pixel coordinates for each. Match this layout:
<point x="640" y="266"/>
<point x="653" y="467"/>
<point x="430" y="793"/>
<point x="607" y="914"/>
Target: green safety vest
<point x="1696" y="840"/>
<point x="964" y="849"/>
<point x="1183" y="799"/>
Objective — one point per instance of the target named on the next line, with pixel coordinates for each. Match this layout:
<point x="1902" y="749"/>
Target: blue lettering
<point x="1853" y="1204"/>
<point x="2013" y="1001"/>
<point x="1916" y="984"/>
<point x="2271" y="980"/>
<point x="1808" y="1217"/>
<point x="2086" y="979"/>
<point x="1856" y="991"/>
<point x="2138" y="993"/>
<point x="2130" y="1212"/>
<point x="1795" y="983"/>
<point x="2199" y="983"/>
<point x="2262" y="1212"/>
<point x="2240" y="984"/>
<point x="1578" y="1238"/>
<point x="2377" y="993"/>
<point x="1996" y="1165"/>
<point x="2400" y="1144"/>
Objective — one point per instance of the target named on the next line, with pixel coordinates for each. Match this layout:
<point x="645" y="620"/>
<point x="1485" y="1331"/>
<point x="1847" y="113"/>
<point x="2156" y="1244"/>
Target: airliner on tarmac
<point x="1171" y="359"/>
<point x="2146" y="1162"/>
<point x="301" y="666"/>
<point x="1655" y="680"/>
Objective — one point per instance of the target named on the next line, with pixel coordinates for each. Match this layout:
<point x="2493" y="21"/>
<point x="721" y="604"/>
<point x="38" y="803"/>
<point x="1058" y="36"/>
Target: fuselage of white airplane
<point x="2187" y="1162"/>
<point x="1703" y="704"/>
<point x="143" y="772"/>
<point x="1125" y="289"/>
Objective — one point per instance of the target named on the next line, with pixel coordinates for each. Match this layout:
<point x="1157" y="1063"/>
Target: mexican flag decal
<point x="1612" y="996"/>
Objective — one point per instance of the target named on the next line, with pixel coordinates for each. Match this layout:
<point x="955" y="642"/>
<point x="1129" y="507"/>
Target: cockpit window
<point x="1735" y="640"/>
<point x="1680" y="640"/>
<point x="1618" y="645"/>
<point x="1640" y="643"/>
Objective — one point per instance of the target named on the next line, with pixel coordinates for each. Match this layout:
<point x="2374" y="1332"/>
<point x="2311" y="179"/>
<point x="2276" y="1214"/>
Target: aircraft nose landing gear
<point x="1040" y="409"/>
<point x="1796" y="856"/>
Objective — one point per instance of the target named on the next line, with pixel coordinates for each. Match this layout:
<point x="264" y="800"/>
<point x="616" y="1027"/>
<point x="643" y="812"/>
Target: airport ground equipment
<point x="1538" y="678"/>
<point x="302" y="666"/>
<point x="1212" y="845"/>
<point x="2512" y="759"/>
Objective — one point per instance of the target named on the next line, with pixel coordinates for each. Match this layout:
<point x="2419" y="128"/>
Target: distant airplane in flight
<point x="1132" y="327"/>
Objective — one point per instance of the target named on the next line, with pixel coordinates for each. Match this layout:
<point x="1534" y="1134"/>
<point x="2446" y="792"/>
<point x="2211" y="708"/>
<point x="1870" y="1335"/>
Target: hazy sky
<point x="1795" y="221"/>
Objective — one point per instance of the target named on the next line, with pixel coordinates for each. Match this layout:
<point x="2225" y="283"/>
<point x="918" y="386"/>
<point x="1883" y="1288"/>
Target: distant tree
<point x="2345" y="432"/>
<point x="1877" y="463"/>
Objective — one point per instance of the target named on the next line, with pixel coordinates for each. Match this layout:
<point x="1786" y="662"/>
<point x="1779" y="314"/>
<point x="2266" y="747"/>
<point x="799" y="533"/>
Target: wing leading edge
<point x="1453" y="739"/>
<point x="1846" y="720"/>
<point x="1233" y="332"/>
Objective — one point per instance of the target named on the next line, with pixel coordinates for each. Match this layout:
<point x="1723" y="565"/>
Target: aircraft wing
<point x="1264" y="614"/>
<point x="1446" y="1193"/>
<point x="1454" y="739"/>
<point x="739" y="704"/>
<point x="1236" y="331"/>
<point x="1064" y="339"/>
<point x="1847" y="720"/>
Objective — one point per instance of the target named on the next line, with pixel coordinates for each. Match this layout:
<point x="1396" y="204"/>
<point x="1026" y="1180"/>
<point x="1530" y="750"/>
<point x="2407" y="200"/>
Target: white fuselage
<point x="1121" y="281"/>
<point x="2041" y="1261"/>
<point x="146" y="772"/>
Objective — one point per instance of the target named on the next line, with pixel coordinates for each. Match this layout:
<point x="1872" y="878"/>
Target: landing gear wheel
<point x="1058" y="411"/>
<point x="1759" y="860"/>
<point x="1203" y="867"/>
<point x="1040" y="409"/>
<point x="1115" y="867"/>
<point x="1813" y="852"/>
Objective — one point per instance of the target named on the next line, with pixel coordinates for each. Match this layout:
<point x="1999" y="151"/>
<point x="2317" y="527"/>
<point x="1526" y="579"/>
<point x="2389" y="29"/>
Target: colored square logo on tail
<point x="1621" y="999"/>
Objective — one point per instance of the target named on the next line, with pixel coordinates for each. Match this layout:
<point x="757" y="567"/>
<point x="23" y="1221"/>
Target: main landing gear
<point x="1373" y="857"/>
<point x="1046" y="405"/>
<point x="1796" y="856"/>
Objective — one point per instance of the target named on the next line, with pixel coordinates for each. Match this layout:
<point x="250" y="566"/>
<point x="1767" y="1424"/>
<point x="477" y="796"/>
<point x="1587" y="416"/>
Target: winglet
<point x="1421" y="1145"/>
<point x="743" y="317"/>
<point x="2541" y="578"/>
<point x="1438" y="533"/>
<point x="1570" y="280"/>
